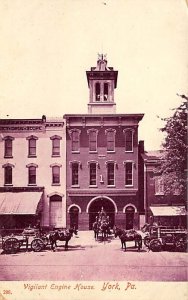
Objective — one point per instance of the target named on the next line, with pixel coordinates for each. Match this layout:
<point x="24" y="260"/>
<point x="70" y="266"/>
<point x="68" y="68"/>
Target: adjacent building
<point x="32" y="172"/>
<point x="167" y="210"/>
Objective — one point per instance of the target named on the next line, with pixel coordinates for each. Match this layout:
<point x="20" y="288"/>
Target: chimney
<point x="141" y="147"/>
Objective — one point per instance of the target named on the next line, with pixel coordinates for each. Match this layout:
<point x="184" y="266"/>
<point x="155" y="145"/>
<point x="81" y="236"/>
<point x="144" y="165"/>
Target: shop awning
<point x="168" y="210"/>
<point x="20" y="203"/>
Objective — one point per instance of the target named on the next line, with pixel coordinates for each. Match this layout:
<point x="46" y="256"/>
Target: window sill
<point x="90" y="151"/>
<point x="7" y="156"/>
<point x="111" y="151"/>
<point x="32" y="156"/>
<point x="111" y="186"/>
<point x="93" y="186"/>
<point x="8" y="184"/>
<point x="55" y="155"/>
<point x="129" y="186"/>
<point x="159" y="194"/>
<point x="75" y="152"/>
<point x="75" y="186"/>
<point x="126" y="151"/>
<point x="56" y="184"/>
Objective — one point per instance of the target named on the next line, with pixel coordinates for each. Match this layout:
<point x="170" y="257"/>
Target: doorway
<point x="95" y="208"/>
<point x="74" y="213"/>
<point x="129" y="212"/>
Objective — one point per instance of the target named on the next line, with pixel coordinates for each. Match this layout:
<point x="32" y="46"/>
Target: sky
<point x="47" y="46"/>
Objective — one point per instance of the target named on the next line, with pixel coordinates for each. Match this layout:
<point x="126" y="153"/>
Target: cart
<point x="30" y="238"/>
<point x="163" y="238"/>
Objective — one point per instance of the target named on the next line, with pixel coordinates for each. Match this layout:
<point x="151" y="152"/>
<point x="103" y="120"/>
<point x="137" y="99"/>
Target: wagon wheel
<point x="37" y="245"/>
<point x="11" y="245"/>
<point x="181" y="246"/>
<point x="146" y="241"/>
<point x="155" y="245"/>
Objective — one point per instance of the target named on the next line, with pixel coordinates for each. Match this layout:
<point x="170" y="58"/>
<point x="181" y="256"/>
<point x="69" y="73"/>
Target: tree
<point x="174" y="162"/>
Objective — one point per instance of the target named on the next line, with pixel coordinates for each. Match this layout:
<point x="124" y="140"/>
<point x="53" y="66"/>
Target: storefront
<point x="20" y="209"/>
<point x="169" y="215"/>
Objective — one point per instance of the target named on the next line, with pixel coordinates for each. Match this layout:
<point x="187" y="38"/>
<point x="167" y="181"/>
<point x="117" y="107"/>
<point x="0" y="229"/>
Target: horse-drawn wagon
<point x="29" y="238"/>
<point x="162" y="238"/>
<point x="101" y="226"/>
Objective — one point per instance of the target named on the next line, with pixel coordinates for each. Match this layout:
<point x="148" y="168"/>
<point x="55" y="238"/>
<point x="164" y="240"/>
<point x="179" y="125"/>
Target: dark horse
<point x="61" y="235"/>
<point x="128" y="235"/>
<point x="101" y="227"/>
<point x="104" y="229"/>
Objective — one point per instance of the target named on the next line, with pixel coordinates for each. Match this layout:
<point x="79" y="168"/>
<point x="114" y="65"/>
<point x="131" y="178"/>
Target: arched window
<point x="8" y="146"/>
<point x="128" y="173"/>
<point x="97" y="91"/>
<point x="55" y="145"/>
<point x="8" y="173"/>
<point x="111" y="173"/>
<point x="32" y="175"/>
<point x="110" y="139"/>
<point x="92" y="139"/>
<point x="93" y="173"/>
<point x="75" y="139"/>
<point x="128" y="140"/>
<point x="159" y="185"/>
<point x="75" y="166"/>
<point x="105" y="91"/>
<point x="32" y="145"/>
<point x="55" y="173"/>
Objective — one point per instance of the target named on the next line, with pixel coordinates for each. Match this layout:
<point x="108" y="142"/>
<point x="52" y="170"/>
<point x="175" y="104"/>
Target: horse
<point x="128" y="235"/>
<point x="61" y="235"/>
<point x="104" y="229"/>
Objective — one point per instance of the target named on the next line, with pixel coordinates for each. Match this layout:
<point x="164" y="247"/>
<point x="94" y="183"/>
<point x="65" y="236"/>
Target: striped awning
<point x="20" y="203"/>
<point x="168" y="210"/>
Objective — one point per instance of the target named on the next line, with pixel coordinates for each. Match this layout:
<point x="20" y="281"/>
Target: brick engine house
<point x="102" y="157"/>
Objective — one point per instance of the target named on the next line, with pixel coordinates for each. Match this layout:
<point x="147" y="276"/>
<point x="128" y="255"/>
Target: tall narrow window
<point x="8" y="175"/>
<point x="97" y="91"/>
<point x="129" y="173"/>
<point x="128" y="140"/>
<point x="159" y="185"/>
<point x="93" y="174"/>
<point x="32" y="145"/>
<point x="56" y="145"/>
<point x="8" y="147"/>
<point x="32" y="175"/>
<point x="75" y="174"/>
<point x="110" y="138"/>
<point x="110" y="174"/>
<point x="75" y="135"/>
<point x="55" y="175"/>
<point x="92" y="140"/>
<point x="105" y="91"/>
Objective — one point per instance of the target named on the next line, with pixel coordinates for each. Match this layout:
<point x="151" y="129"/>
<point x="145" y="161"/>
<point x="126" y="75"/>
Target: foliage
<point x="174" y="162"/>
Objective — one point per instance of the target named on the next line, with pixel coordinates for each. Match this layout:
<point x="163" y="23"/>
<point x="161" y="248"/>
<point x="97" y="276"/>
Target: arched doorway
<point x="74" y="211"/>
<point x="129" y="212"/>
<point x="56" y="211"/>
<point x="96" y="206"/>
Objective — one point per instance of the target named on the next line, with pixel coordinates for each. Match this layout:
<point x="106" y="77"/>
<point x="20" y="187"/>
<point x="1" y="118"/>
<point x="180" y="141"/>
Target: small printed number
<point x="7" y="292"/>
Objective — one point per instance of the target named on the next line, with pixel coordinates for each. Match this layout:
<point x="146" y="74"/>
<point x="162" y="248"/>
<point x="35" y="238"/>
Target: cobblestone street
<point x="88" y="259"/>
